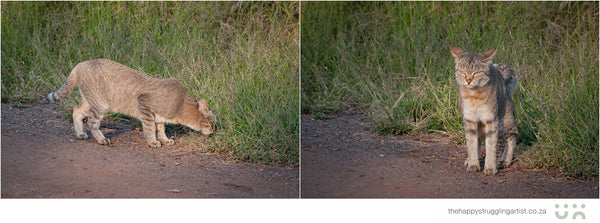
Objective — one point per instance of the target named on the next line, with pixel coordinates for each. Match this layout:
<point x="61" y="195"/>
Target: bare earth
<point x="42" y="159"/>
<point x="343" y="158"/>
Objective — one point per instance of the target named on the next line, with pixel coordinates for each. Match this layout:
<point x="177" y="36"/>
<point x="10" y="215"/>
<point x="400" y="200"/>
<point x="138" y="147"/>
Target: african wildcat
<point x="485" y="102"/>
<point x="106" y="85"/>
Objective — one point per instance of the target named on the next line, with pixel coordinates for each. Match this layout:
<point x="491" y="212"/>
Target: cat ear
<point x="489" y="54"/>
<point x="456" y="51"/>
<point x="202" y="105"/>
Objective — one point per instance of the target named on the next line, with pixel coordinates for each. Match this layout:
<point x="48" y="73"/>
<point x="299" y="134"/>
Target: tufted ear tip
<point x="456" y="51"/>
<point x="490" y="54"/>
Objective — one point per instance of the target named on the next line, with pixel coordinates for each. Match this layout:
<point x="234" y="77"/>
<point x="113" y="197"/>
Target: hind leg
<point x="510" y="136"/>
<point x="507" y="155"/>
<point x="79" y="113"/>
<point x="94" y="125"/>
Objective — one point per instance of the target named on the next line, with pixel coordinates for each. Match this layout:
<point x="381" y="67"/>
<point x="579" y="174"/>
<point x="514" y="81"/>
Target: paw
<point x="472" y="165"/>
<point x="503" y="164"/>
<point x="82" y="136"/>
<point x="169" y="142"/>
<point x="104" y="141"/>
<point x="473" y="168"/>
<point x="489" y="171"/>
<point x="155" y="144"/>
<point x="506" y="164"/>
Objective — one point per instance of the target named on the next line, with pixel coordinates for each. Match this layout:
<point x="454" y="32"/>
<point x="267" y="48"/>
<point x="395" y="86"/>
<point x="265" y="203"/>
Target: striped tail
<point x="511" y="78"/>
<point x="65" y="90"/>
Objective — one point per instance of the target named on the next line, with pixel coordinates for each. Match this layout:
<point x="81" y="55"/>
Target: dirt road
<point x="342" y="157"/>
<point x="42" y="159"/>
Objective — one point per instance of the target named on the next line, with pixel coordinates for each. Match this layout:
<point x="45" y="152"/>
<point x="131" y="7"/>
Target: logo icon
<point x="565" y="215"/>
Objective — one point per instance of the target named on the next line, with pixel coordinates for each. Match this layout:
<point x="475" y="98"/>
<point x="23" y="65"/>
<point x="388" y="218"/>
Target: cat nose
<point x="468" y="80"/>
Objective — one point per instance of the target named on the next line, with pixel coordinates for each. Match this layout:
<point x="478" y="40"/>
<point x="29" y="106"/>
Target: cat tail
<point x="511" y="78"/>
<point x="65" y="90"/>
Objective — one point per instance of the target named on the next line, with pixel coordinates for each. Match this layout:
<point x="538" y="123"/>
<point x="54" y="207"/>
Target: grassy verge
<point x="241" y="56"/>
<point x="392" y="60"/>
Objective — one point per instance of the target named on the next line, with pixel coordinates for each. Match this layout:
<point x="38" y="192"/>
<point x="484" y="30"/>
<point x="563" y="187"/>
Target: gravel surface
<point x="41" y="158"/>
<point x="343" y="158"/>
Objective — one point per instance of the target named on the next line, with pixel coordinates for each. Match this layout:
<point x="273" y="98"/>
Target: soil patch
<point x="343" y="158"/>
<point x="41" y="158"/>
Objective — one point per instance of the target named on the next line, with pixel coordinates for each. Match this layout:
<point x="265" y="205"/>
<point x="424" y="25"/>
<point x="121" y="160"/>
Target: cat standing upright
<point x="105" y="85"/>
<point x="484" y="97"/>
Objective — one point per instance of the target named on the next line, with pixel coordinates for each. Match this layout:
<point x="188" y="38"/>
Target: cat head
<point x="472" y="69"/>
<point x="206" y="122"/>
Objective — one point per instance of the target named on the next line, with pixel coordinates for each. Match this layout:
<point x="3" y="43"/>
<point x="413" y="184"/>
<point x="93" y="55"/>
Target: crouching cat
<point x="484" y="97"/>
<point x="106" y="85"/>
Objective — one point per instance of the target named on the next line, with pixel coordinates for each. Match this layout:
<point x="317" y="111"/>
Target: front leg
<point x="148" y="121"/>
<point x="150" y="133"/>
<point x="491" y="143"/>
<point x="472" y="139"/>
<point x="160" y="131"/>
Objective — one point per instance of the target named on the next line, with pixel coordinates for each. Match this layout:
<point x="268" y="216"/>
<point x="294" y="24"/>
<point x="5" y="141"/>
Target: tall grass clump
<point x="392" y="60"/>
<point x="241" y="56"/>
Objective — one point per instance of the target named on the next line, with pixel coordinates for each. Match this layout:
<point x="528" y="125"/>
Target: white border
<point x="287" y="210"/>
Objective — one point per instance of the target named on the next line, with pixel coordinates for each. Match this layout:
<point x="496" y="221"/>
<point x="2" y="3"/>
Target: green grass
<point x="241" y="56"/>
<point x="392" y="60"/>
